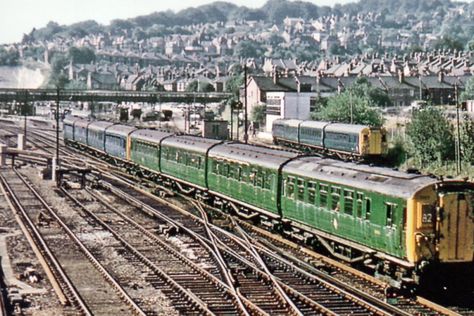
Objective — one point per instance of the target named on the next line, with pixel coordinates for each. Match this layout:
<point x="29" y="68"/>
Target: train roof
<point x="314" y="124"/>
<point x="364" y="177"/>
<point x="81" y="123"/>
<point x="150" y="135"/>
<point x="100" y="125"/>
<point x="191" y="143"/>
<point x="120" y="130"/>
<point x="70" y="120"/>
<point x="251" y="154"/>
<point x="288" y="122"/>
<point x="345" y="128"/>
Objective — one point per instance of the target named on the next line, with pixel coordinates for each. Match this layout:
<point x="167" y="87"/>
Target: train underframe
<point x="398" y="273"/>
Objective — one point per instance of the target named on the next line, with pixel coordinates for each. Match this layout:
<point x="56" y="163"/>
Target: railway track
<point x="81" y="283"/>
<point x="313" y="263"/>
<point x="302" y="292"/>
<point x="191" y="289"/>
<point x="360" y="283"/>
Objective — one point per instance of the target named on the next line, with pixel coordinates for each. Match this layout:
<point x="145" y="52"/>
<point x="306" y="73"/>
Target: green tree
<point x="83" y="55"/>
<point x="192" y="87"/>
<point x="200" y="86"/>
<point x="340" y="107"/>
<point x="467" y="139"/>
<point x="9" y="57"/>
<point x="258" y="114"/>
<point x="234" y="83"/>
<point x="249" y="49"/>
<point x="468" y="93"/>
<point x="430" y="136"/>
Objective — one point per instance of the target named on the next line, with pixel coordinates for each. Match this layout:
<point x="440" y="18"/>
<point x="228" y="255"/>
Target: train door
<point x="456" y="226"/>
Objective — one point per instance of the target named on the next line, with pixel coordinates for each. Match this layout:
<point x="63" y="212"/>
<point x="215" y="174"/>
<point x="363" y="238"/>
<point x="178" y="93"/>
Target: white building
<point x="289" y="97"/>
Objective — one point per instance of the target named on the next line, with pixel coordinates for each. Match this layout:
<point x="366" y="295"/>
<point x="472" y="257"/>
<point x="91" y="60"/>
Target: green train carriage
<point x="378" y="215"/>
<point x="184" y="159"/>
<point x="249" y="175"/>
<point x="145" y="151"/>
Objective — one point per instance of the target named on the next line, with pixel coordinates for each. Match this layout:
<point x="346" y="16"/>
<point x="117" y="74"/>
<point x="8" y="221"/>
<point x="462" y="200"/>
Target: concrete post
<point x="3" y="156"/>
<point x="54" y="167"/>
<point x="21" y="142"/>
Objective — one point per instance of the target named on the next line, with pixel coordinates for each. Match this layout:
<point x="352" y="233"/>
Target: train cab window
<point x="323" y="195"/>
<point x="368" y="208"/>
<point x="389" y="213"/>
<point x="348" y="202"/>
<point x="290" y="187"/>
<point x="359" y="201"/>
<point x="311" y="192"/>
<point x="300" y="189"/>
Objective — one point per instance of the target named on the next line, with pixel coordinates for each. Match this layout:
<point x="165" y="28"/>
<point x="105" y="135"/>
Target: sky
<point x="20" y="16"/>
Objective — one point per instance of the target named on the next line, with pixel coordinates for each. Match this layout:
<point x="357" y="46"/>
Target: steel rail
<point x="128" y="300"/>
<point x="42" y="252"/>
<point x="200" y="304"/>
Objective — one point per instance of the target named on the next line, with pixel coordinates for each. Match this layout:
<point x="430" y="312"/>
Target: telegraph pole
<point x="25" y="109"/>
<point x="458" y="132"/>
<point x="57" y="125"/>
<point x="246" y="136"/>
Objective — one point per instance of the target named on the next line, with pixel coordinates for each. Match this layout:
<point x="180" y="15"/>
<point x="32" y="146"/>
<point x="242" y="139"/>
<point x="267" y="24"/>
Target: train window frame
<point x="312" y="186"/>
<point x="290" y="187"/>
<point x="359" y="204"/>
<point x="368" y="208"/>
<point x="268" y="180"/>
<point x="348" y="196"/>
<point x="323" y="195"/>
<point x="390" y="209"/>
<point x="300" y="183"/>
<point x="335" y="198"/>
<point x="252" y="176"/>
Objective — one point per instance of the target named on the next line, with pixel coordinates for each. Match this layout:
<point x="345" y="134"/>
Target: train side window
<point x="348" y="202"/>
<point x="368" y="208"/>
<point x="290" y="187"/>
<point x="253" y="177"/>
<point x="360" y="197"/>
<point x="268" y="181"/>
<point x="259" y="179"/>
<point x="311" y="192"/>
<point x="389" y="212"/>
<point x="231" y="171"/>
<point x="335" y="199"/>
<point x="323" y="195"/>
<point x="243" y="174"/>
<point x="300" y="189"/>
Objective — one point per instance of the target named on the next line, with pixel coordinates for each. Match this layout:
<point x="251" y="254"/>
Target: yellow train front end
<point x="373" y="142"/>
<point x="440" y="223"/>
<point x="440" y="238"/>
